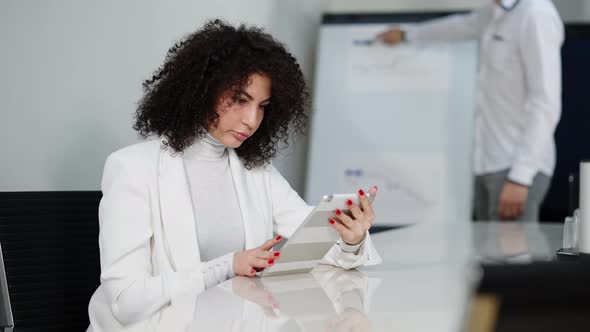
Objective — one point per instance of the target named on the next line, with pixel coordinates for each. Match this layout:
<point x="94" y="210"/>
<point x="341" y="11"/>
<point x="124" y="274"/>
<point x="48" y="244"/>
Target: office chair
<point x="6" y="321"/>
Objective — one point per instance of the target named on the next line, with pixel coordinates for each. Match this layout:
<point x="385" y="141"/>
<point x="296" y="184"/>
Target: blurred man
<point x="518" y="100"/>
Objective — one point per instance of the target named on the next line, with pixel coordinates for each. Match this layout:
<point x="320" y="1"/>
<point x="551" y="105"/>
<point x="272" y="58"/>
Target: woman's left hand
<point x="352" y="228"/>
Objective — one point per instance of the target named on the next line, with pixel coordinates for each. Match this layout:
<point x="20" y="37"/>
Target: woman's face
<point x="241" y="114"/>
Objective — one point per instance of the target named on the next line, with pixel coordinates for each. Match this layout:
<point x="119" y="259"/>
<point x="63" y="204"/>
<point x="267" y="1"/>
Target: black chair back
<point x="50" y="246"/>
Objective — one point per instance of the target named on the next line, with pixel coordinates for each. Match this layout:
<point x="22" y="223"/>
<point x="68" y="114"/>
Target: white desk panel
<point x="424" y="284"/>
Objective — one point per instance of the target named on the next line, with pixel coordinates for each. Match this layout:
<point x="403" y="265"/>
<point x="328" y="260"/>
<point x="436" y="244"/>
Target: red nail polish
<point x="276" y="254"/>
<point x="278" y="238"/>
<point x="338" y="212"/>
<point x="348" y="202"/>
<point x="361" y="192"/>
<point x="332" y="221"/>
<point x="271" y="261"/>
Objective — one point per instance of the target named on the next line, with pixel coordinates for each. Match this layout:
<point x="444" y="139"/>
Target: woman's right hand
<point x="248" y="262"/>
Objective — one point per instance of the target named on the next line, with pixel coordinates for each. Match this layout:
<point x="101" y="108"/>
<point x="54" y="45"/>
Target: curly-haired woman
<point x="200" y="203"/>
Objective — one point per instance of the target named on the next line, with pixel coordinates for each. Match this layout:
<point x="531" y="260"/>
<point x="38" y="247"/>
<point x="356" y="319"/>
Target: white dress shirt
<point x="519" y="85"/>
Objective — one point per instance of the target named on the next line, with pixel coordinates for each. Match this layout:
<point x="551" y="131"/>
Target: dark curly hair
<point x="180" y="99"/>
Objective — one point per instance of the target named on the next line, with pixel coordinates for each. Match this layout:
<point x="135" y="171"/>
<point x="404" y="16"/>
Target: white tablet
<point x="313" y="239"/>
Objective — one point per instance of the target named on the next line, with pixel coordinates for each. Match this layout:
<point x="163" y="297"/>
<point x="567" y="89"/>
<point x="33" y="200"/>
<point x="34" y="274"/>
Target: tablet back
<point x="312" y="240"/>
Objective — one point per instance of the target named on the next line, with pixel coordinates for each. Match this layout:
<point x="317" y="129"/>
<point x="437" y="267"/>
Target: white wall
<point x="573" y="10"/>
<point x="296" y="22"/>
<point x="570" y="10"/>
<point x="376" y="6"/>
<point x="72" y="73"/>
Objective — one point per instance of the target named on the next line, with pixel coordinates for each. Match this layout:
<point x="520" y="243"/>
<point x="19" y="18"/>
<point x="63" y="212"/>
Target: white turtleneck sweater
<point x="220" y="229"/>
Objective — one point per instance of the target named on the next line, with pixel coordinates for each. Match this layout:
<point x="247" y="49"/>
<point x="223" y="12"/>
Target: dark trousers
<point x="488" y="188"/>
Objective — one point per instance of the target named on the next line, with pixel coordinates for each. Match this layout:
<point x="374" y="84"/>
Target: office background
<point x="71" y="74"/>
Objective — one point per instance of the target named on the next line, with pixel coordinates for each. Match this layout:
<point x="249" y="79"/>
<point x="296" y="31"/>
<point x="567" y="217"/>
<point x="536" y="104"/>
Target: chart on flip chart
<point x="397" y="117"/>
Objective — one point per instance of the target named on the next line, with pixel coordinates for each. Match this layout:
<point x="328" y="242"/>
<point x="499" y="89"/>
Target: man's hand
<point x="392" y="37"/>
<point x="512" y="201"/>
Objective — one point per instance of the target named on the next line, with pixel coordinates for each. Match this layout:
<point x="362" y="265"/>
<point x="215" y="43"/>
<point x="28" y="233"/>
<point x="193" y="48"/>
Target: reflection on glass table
<point x="334" y="300"/>
<point x="508" y="242"/>
<point x="424" y="284"/>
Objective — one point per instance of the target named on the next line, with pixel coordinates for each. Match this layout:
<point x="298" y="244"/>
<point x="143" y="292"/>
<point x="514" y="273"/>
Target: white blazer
<point x="148" y="242"/>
